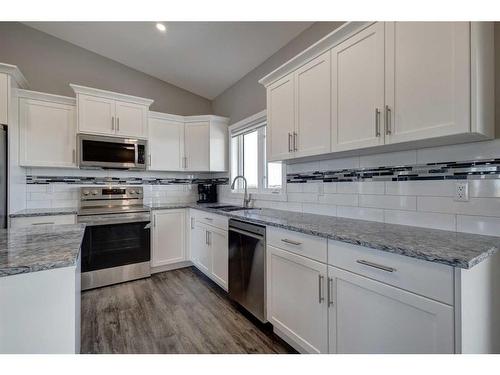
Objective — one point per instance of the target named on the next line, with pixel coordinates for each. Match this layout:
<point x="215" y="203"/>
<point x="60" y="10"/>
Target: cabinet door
<point x="296" y="303"/>
<point x="281" y="119"/>
<point x="169" y="243"/>
<point x="96" y="115"/>
<point x="367" y="316"/>
<point x="427" y="79"/>
<point x="218" y="241"/>
<point x="4" y="98"/>
<point x="312" y="104"/>
<point x="47" y="133"/>
<point x="358" y="90"/>
<point x="197" y="146"/>
<point x="165" y="144"/>
<point x="131" y="119"/>
<point x="200" y="248"/>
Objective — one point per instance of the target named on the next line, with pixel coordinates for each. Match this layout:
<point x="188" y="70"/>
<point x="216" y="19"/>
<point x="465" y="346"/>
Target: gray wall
<point x="50" y="64"/>
<point x="247" y="96"/>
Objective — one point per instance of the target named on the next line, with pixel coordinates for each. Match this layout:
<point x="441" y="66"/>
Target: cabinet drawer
<point x="18" y="222"/>
<point x="303" y="244"/>
<point x="432" y="280"/>
<point x="208" y="218"/>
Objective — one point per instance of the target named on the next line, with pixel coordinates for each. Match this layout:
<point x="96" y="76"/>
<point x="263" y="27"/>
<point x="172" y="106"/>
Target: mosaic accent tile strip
<point x="80" y="180"/>
<point x="477" y="169"/>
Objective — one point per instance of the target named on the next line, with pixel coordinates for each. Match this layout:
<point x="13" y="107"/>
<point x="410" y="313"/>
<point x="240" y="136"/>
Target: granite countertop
<point x="31" y="249"/>
<point x="31" y="212"/>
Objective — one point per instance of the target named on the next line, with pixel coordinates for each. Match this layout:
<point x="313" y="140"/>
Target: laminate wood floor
<point x="178" y="311"/>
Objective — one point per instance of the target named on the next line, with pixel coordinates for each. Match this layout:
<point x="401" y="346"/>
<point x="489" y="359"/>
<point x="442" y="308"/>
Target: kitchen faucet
<point x="248" y="197"/>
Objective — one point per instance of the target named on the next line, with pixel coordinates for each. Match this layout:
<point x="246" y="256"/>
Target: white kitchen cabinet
<point x="131" y="119"/>
<point x="218" y="243"/>
<point x="358" y="90"/>
<point x="109" y="113"/>
<point x="165" y="142"/>
<point x="367" y="316"/>
<point x="197" y="146"/>
<point x="296" y="300"/>
<point x="280" y="119"/>
<point x="47" y="130"/>
<point x="198" y="243"/>
<point x="312" y="107"/>
<point x="168" y="237"/>
<point x="19" y="222"/>
<point x="4" y="98"/>
<point x="427" y="79"/>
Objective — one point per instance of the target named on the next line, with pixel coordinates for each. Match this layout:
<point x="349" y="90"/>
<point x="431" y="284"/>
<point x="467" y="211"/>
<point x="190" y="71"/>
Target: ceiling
<point x="205" y="58"/>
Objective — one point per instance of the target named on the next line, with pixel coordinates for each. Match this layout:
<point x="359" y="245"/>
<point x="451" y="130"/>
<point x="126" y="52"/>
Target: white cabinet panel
<point x="19" y="222"/>
<point x="296" y="304"/>
<point x="197" y="146"/>
<point x="281" y="119"/>
<point x="358" y="90"/>
<point x="367" y="316"/>
<point x="4" y="98"/>
<point x="47" y="133"/>
<point x="218" y="242"/>
<point x="198" y="243"/>
<point x="131" y="119"/>
<point x="427" y="79"/>
<point x="169" y="242"/>
<point x="96" y="115"/>
<point x="165" y="144"/>
<point x="312" y="107"/>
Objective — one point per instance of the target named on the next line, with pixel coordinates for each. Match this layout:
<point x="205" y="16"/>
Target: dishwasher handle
<point x="245" y="233"/>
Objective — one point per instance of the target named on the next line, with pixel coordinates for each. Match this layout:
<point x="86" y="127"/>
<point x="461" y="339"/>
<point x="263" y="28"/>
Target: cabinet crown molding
<point x="110" y="95"/>
<point x="206" y="118"/>
<point x="15" y="73"/>
<point x="327" y="42"/>
<point x="36" y="95"/>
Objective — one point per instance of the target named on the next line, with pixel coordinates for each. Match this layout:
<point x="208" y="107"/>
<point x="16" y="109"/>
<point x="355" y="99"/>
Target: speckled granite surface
<point x="32" y="249"/>
<point x="30" y="212"/>
<point x="461" y="250"/>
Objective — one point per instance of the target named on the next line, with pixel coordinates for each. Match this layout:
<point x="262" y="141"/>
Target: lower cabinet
<point x="168" y="237"/>
<point x="367" y="316"/>
<point x="209" y="251"/>
<point x="18" y="222"/>
<point x="296" y="300"/>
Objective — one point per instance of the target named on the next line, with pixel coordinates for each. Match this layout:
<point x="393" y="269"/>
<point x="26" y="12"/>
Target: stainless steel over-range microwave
<point x="97" y="151"/>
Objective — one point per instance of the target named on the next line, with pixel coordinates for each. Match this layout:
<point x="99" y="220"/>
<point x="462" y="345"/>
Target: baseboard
<point x="173" y="266"/>
<point x="289" y="340"/>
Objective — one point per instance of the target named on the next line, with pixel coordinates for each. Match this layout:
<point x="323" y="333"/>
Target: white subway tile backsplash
<point x="302" y="167"/>
<point x="388" y="202"/>
<point x="461" y="152"/>
<point x="361" y="187"/>
<point x="40" y="196"/>
<point x="484" y="188"/>
<point x="361" y="213"/>
<point x="319" y="209"/>
<point x="479" y="225"/>
<point x="330" y="187"/>
<point x="475" y="206"/>
<point x="339" y="199"/>
<point x="302" y="197"/>
<point x="294" y="188"/>
<point x="420" y="219"/>
<point x="388" y="159"/>
<point x="443" y="188"/>
<point x="311" y="187"/>
<point x="338" y="164"/>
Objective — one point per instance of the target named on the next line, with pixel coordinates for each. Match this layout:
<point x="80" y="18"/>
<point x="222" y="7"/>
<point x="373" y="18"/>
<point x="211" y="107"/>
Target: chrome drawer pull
<point x="209" y="219"/>
<point x="375" y="265"/>
<point x="320" y="288"/>
<point x="44" y="223"/>
<point x="329" y="290"/>
<point x="286" y="240"/>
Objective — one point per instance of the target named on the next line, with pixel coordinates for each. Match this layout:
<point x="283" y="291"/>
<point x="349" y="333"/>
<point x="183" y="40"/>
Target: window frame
<point x="247" y="125"/>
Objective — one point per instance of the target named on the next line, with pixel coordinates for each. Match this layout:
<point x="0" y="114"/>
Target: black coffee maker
<point x="207" y="193"/>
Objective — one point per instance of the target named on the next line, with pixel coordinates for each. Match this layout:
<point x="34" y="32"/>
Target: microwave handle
<point x="136" y="153"/>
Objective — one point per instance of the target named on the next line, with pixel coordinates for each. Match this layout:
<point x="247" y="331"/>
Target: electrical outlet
<point x="462" y="191"/>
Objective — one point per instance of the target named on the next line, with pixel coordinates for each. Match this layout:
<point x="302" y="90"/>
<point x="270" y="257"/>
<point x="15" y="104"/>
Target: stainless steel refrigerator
<point x="3" y="176"/>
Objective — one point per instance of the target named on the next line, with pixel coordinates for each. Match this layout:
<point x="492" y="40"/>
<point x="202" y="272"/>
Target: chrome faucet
<point x="248" y="197"/>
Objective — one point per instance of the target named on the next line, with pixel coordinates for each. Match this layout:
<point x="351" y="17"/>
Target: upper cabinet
<point x="166" y="142"/>
<point x="108" y="113"/>
<point x="365" y="85"/>
<point x="47" y="130"/>
<point x="4" y="94"/>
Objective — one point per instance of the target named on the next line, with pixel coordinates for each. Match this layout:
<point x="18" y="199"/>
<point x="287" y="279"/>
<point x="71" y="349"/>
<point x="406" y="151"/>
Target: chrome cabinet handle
<point x="112" y="122"/>
<point x="321" y="297"/>
<point x="117" y="124"/>
<point x="184" y="162"/>
<point x="375" y="265"/>
<point x="290" y="242"/>
<point x="209" y="219"/>
<point x="289" y="142"/>
<point x="206" y="237"/>
<point x="295" y="148"/>
<point x="329" y="289"/>
<point x="74" y="156"/>
<point x="44" y="223"/>
<point x="192" y="223"/>
<point x="377" y="122"/>
<point x="150" y="160"/>
<point x="388" y="127"/>
<point x="209" y="238"/>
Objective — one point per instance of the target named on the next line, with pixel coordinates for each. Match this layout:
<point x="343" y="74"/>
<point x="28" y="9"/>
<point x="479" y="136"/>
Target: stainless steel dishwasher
<point x="247" y="266"/>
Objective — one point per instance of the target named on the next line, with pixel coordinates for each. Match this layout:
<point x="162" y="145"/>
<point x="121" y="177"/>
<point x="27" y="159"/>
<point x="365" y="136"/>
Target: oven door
<point x="110" y="152"/>
<point x="111" y="245"/>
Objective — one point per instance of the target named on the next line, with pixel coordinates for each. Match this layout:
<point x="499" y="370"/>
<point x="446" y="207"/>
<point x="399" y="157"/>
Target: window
<point x="248" y="158"/>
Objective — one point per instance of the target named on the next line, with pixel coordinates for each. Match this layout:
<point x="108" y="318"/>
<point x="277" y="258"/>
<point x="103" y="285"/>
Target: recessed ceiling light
<point x="161" y="27"/>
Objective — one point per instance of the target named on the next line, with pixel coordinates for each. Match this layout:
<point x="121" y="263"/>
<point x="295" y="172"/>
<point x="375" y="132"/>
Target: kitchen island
<point x="40" y="289"/>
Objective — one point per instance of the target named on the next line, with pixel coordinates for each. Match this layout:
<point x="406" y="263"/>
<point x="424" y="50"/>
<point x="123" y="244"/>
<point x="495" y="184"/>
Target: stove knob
<point x="86" y="192"/>
<point x="94" y="192"/>
<point x="132" y="192"/>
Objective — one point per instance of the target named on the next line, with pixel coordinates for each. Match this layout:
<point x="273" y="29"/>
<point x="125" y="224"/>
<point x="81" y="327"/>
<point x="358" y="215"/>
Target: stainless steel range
<point x="116" y="244"/>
